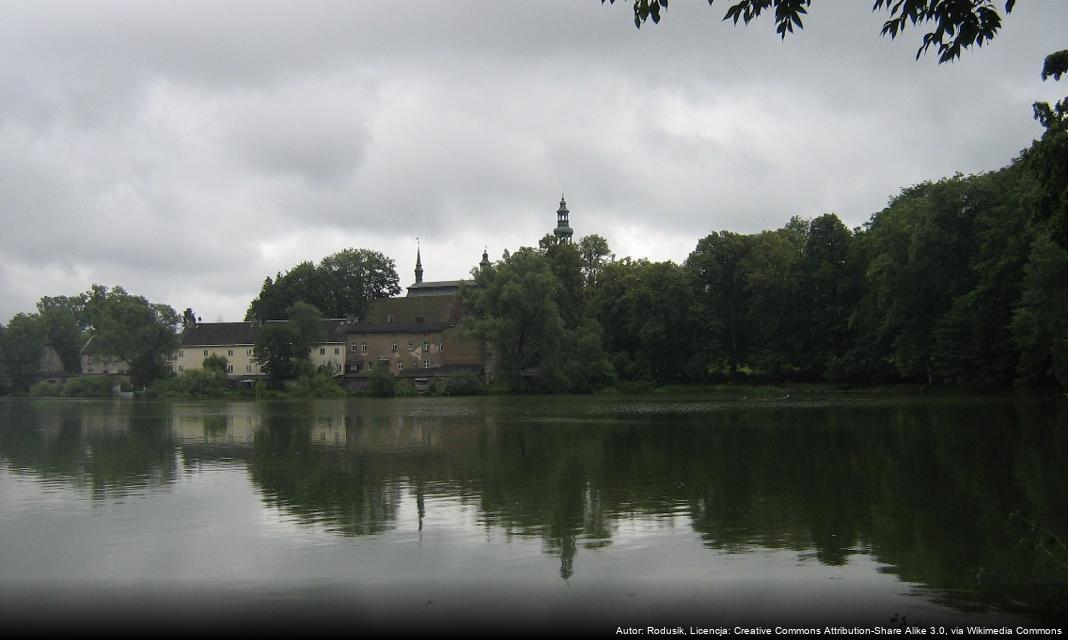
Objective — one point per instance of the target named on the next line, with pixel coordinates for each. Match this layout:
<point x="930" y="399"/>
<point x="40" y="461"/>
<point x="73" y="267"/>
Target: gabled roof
<point x="411" y="314"/>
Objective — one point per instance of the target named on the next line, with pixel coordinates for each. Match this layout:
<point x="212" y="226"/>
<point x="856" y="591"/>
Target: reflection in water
<point x="925" y="488"/>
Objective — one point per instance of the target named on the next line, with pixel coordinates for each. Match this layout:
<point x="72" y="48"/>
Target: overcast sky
<point x="186" y="150"/>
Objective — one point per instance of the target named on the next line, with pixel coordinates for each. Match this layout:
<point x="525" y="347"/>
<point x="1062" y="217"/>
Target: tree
<point x="189" y="318"/>
<point x="823" y="295"/>
<point x="21" y="344"/>
<point x="307" y="329"/>
<point x="342" y="283"/>
<point x="595" y="255"/>
<point x="958" y="24"/>
<point x="1047" y="159"/>
<point x="65" y="322"/>
<point x="646" y="311"/>
<point x="133" y="329"/>
<point x="380" y="380"/>
<point x="275" y="352"/>
<point x="717" y="269"/>
<point x="1040" y="322"/>
<point x="514" y="308"/>
<point x="356" y="277"/>
<point x="216" y="364"/>
<point x="533" y="321"/>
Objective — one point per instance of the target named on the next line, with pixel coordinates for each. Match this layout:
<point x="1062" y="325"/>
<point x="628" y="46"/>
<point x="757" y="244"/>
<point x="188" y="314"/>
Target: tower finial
<point x="418" y="263"/>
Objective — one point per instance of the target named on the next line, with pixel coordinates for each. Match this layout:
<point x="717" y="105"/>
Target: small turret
<point x="485" y="264"/>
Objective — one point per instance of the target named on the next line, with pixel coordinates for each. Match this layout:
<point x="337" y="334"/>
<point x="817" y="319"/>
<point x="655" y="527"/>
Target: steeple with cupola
<point x="563" y="231"/>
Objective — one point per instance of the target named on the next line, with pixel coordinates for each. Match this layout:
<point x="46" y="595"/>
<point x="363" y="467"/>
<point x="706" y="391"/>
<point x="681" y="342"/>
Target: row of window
<point x="400" y="365"/>
<point x="248" y="352"/>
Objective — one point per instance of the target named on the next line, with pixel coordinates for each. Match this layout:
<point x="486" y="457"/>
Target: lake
<point x="541" y="513"/>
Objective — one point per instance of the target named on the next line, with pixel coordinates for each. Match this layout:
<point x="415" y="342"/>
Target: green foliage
<point x="21" y="345"/>
<point x="304" y="323"/>
<point x="193" y="383"/>
<point x="275" y="352"/>
<point x="646" y="310"/>
<point x="216" y="364"/>
<point x="89" y="387"/>
<point x="1040" y="322"/>
<point x="1047" y="159"/>
<point x="530" y="309"/>
<point x="46" y="389"/>
<point x="381" y="382"/>
<point x="133" y="329"/>
<point x="595" y="255"/>
<point x="404" y="389"/>
<point x="717" y="271"/>
<point x="958" y="24"/>
<point x="464" y="383"/>
<point x="342" y="283"/>
<point x="317" y="385"/>
<point x="65" y="322"/>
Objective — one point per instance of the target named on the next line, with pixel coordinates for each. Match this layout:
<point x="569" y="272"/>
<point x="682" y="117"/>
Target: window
<point x="400" y="365"/>
<point x="426" y="364"/>
<point x="229" y="352"/>
<point x="337" y="368"/>
<point x="322" y="351"/>
<point x="394" y="346"/>
<point x="426" y="345"/>
<point x="356" y="347"/>
<point x="205" y="352"/>
<point x="248" y="368"/>
<point x="363" y="347"/>
<point x="229" y="368"/>
<point x="441" y="347"/>
<point x="337" y="351"/>
<point x="249" y="352"/>
<point x="181" y="354"/>
<point x="411" y="346"/>
<point x="389" y="318"/>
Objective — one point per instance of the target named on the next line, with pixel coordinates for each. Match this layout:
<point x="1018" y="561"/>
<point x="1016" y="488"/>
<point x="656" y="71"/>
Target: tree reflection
<point x="924" y="487"/>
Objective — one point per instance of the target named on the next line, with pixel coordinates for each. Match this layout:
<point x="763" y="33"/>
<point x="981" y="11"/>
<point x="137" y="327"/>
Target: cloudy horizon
<point x="187" y="152"/>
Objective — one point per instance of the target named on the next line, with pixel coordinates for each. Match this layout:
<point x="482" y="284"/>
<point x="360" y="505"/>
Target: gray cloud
<point x="188" y="151"/>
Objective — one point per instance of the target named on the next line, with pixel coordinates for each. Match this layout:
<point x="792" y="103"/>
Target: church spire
<point x="418" y="264"/>
<point x="563" y="229"/>
<point x="485" y="264"/>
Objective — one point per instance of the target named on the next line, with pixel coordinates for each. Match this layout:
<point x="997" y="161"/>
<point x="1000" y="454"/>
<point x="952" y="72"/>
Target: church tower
<point x="563" y="230"/>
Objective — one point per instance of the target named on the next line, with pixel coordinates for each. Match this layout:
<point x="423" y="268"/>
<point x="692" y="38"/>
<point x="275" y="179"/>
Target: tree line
<point x="960" y="281"/>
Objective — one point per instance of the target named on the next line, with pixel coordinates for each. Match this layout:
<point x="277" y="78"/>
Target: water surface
<point x="604" y="511"/>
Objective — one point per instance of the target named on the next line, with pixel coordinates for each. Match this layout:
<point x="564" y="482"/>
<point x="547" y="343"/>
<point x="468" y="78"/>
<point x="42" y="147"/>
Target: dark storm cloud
<point x="188" y="150"/>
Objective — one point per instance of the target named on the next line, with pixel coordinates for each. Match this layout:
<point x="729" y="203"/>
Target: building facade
<point x="236" y="342"/>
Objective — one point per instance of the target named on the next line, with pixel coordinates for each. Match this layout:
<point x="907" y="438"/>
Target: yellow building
<point x="236" y="341"/>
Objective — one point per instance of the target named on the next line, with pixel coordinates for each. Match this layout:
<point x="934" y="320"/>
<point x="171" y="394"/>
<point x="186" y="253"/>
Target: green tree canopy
<point x="275" y="352"/>
<point x="65" y="323"/>
<point x="133" y="329"/>
<point x="22" y="342"/>
<point x="342" y="283"/>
